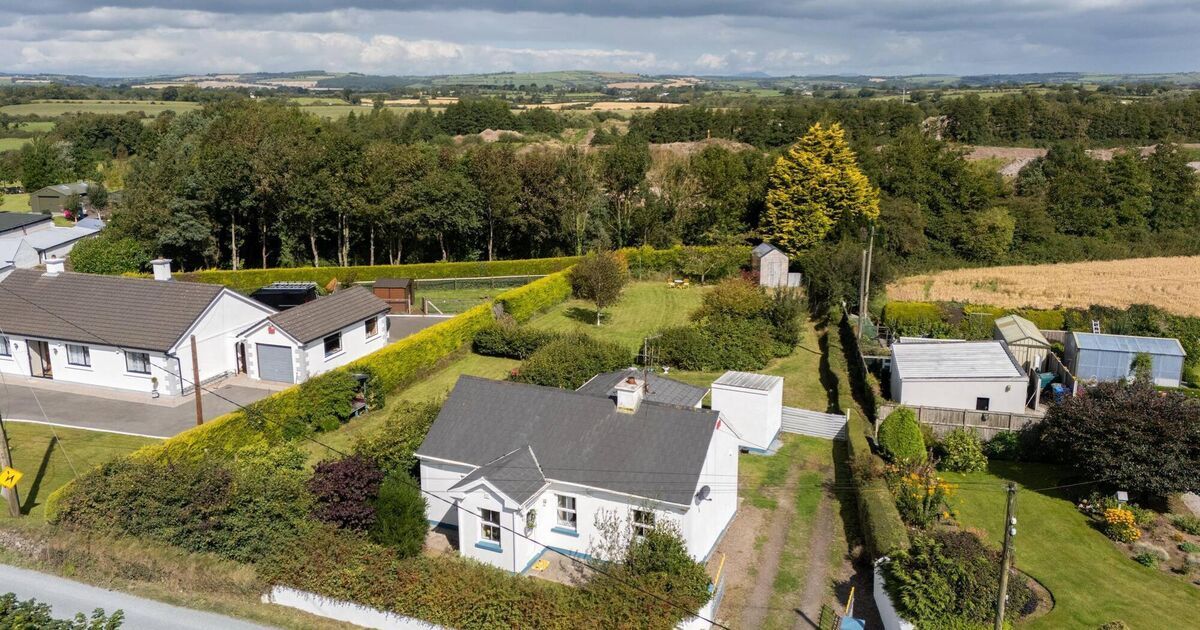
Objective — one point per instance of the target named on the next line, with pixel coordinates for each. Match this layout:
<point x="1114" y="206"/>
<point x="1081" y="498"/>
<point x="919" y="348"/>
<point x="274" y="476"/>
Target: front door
<point x="39" y="359"/>
<point x="241" y="357"/>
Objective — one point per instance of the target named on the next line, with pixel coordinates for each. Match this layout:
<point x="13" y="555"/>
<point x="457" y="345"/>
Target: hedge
<point x="912" y="315"/>
<point x="250" y="279"/>
<point x="642" y="260"/>
<point x="523" y="302"/>
<point x="883" y="530"/>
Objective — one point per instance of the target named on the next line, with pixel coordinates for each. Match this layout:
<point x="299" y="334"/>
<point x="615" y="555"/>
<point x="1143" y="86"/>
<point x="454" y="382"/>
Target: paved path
<point x="63" y="407"/>
<point x="402" y="326"/>
<point x="67" y="597"/>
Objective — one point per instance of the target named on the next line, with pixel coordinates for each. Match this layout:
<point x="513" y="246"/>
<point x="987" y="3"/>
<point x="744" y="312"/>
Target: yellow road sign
<point x="9" y="477"/>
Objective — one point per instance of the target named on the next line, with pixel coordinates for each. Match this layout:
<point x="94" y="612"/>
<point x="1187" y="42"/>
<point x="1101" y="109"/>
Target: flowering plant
<point x="922" y="497"/>
<point x="1120" y="525"/>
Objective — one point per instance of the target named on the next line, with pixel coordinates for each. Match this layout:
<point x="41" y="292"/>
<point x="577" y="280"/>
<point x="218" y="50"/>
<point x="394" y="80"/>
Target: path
<point x="67" y="597"/>
<point x="756" y="607"/>
<point x="816" y="583"/>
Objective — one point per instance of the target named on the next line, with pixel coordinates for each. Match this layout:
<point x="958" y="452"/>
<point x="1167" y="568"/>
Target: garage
<point x="275" y="363"/>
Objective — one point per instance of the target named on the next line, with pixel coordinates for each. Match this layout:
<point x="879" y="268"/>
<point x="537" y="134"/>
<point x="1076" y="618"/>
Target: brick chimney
<point x="55" y="265"/>
<point x="162" y="269"/>
<point x="629" y="394"/>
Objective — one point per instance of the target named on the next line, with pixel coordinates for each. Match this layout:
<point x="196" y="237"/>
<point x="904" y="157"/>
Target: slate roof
<point x="656" y="453"/>
<point x="50" y="238"/>
<point x="1129" y="343"/>
<point x="659" y="388"/>
<point x="1016" y="329"/>
<point x="326" y="315"/>
<point x="516" y="474"/>
<point x="107" y="310"/>
<point x="11" y="221"/>
<point x="749" y="380"/>
<point x="762" y="249"/>
<point x="393" y="283"/>
<point x="954" y="361"/>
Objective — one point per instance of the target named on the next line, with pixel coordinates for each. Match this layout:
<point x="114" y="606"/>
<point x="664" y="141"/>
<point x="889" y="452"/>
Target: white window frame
<point x="561" y="510"/>
<point x="325" y="343"/>
<point x="371" y="327"/>
<point x="487" y="525"/>
<point x="87" y="355"/>
<point x="129" y="366"/>
<point x="642" y="521"/>
<point x="5" y="347"/>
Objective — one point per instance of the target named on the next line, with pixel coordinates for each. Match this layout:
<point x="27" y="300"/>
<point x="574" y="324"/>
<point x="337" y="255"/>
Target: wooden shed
<point x="1023" y="339"/>
<point x="397" y="292"/>
<point x="771" y="265"/>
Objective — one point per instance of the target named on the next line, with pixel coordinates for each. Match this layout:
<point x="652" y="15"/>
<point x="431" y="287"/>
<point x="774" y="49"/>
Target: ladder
<point x="1095" y="327"/>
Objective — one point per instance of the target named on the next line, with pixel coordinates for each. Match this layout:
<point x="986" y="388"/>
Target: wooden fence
<point x="986" y="424"/>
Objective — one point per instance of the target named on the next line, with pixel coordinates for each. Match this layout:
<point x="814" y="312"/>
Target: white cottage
<point x="508" y="462"/>
<point x="972" y="375"/>
<point x="315" y="337"/>
<point x="112" y="331"/>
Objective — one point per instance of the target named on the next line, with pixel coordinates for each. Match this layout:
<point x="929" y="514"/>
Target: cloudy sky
<point x="781" y="37"/>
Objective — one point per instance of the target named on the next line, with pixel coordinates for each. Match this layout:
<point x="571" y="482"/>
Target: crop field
<point x="1170" y="283"/>
<point x="58" y="108"/>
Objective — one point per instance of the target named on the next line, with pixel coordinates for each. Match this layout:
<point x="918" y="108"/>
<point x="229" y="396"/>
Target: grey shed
<point x="52" y="199"/>
<point x="1027" y="344"/>
<point x="771" y="264"/>
<point x="1093" y="357"/>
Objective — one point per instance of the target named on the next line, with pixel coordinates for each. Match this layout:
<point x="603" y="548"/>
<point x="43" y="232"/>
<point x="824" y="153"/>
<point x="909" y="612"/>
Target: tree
<point x="42" y="164"/>
<point x="447" y="206"/>
<point x="989" y="234"/>
<point x="1142" y="369"/>
<point x="1173" y="189"/>
<point x="623" y="169"/>
<point x="1131" y="436"/>
<point x="33" y="614"/>
<point x="814" y="188"/>
<point x="345" y="491"/>
<point x="400" y="515"/>
<point x="98" y="195"/>
<point x="492" y="168"/>
<point x="900" y="437"/>
<point x="599" y="278"/>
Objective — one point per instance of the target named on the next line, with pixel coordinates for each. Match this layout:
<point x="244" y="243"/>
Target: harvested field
<point x="1013" y="159"/>
<point x="609" y="106"/>
<point x="1171" y="283"/>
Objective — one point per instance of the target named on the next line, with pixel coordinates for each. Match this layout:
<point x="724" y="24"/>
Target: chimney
<point x="629" y="394"/>
<point x="162" y="268"/>
<point x="55" y="265"/>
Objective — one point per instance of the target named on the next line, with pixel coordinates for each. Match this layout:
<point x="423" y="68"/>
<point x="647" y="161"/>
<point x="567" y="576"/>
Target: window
<point x="79" y="355"/>
<point x="567" y="517"/>
<point x="489" y="526"/>
<point x="137" y="362"/>
<point x="4" y="349"/>
<point x="333" y="344"/>
<point x="643" y="522"/>
<point x="981" y="404"/>
<point x="372" y="327"/>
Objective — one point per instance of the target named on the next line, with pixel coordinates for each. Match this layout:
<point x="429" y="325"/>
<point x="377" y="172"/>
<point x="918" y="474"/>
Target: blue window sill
<point x="566" y="532"/>
<point x="489" y="546"/>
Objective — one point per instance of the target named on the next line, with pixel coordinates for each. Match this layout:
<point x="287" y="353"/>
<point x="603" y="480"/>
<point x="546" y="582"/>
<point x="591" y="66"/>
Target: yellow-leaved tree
<point x="813" y="188"/>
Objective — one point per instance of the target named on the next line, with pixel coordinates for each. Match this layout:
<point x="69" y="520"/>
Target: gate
<point x="830" y="426"/>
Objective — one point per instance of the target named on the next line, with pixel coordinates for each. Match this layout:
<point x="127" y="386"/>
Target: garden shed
<point x="972" y="375"/>
<point x="54" y="198"/>
<point x="397" y="292"/>
<point x="1099" y="357"/>
<point x="1023" y="339"/>
<point x="771" y="265"/>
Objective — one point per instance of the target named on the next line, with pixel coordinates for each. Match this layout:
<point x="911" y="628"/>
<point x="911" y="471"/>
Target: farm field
<point x="1092" y="581"/>
<point x="1171" y="283"/>
<point x="58" y="108"/>
<point x="611" y="106"/>
<point x="15" y="202"/>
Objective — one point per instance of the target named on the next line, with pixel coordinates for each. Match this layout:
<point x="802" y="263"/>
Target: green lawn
<point x="15" y="203"/>
<point x="645" y="308"/>
<point x="1091" y="580"/>
<point x="58" y="108"/>
<point x="48" y="463"/>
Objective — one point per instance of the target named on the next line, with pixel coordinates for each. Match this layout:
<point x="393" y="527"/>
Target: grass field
<point x="1091" y="580"/>
<point x="58" y="108"/>
<point x="9" y="144"/>
<point x="15" y="203"/>
<point x="48" y="462"/>
<point x="1171" y="283"/>
<point x="645" y="307"/>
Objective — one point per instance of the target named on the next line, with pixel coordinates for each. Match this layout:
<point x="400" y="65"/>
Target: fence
<point x="830" y="426"/>
<point x="986" y="424"/>
<point x="1055" y="336"/>
<point x="1054" y="364"/>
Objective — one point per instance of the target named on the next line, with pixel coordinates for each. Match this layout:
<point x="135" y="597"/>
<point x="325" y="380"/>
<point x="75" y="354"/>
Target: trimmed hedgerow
<point x="883" y="530"/>
<point x="523" y="302"/>
<point x="900" y="437"/>
<point x="506" y="339"/>
<point x="912" y="316"/>
<point x="708" y="262"/>
<point x="569" y="361"/>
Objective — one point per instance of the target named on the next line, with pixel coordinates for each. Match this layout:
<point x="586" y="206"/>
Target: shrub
<point x="685" y="348"/>
<point x="702" y="261"/>
<point x="786" y="314"/>
<point x="734" y="298"/>
<point x="33" y="615"/>
<point x="511" y="341"/>
<point x="661" y="556"/>
<point x="741" y="344"/>
<point x="107" y="255"/>
<point x="1114" y="625"/>
<point x="391" y="445"/>
<point x="921" y="496"/>
<point x="962" y="452"/>
<point x="948" y="578"/>
<point x="1146" y="559"/>
<point x="1054" y="319"/>
<point x="915" y="318"/>
<point x="1189" y="547"/>
<point x="522" y="303"/>
<point x="599" y="278"/>
<point x="1120" y="525"/>
<point x="900" y="437"/>
<point x="400" y="515"/>
<point x="1005" y="445"/>
<point x="883" y="529"/>
<point x="569" y="361"/>
<point x="1187" y="524"/>
<point x="345" y="490"/>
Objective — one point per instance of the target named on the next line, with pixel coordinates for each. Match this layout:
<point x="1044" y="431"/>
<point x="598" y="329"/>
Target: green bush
<point x="1146" y="559"/>
<point x="400" y="515"/>
<point x="33" y="615"/>
<point x="962" y="452"/>
<point x="686" y="348"/>
<point x="391" y="445"/>
<point x="711" y="262"/>
<point x="1186" y="523"/>
<point x="1005" y="446"/>
<point x="883" y="530"/>
<point x="661" y="556"/>
<point x="734" y="298"/>
<point x="522" y="303"/>
<point x="106" y="255"/>
<point x="247" y="280"/>
<point x="916" y="318"/>
<point x="900" y="437"/>
<point x="569" y="361"/>
<point x="509" y="340"/>
<point x="1053" y="319"/>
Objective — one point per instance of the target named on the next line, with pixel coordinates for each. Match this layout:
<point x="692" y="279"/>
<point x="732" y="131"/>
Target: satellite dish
<point x="702" y="495"/>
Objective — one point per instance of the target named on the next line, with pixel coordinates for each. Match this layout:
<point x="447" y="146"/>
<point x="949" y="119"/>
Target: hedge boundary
<point x="883" y="530"/>
<point x="523" y="302"/>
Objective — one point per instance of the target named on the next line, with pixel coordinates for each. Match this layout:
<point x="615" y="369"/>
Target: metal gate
<point x="275" y="363"/>
<point x="830" y="426"/>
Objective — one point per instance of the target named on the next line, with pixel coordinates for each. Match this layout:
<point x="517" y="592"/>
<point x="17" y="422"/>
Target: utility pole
<point x="14" y="501"/>
<point x="196" y="383"/>
<point x="864" y="292"/>
<point x="1010" y="530"/>
<point x="861" y="285"/>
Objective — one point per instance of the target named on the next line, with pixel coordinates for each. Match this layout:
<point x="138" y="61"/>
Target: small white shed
<point x="973" y="375"/>
<point x="753" y="403"/>
<point x="771" y="264"/>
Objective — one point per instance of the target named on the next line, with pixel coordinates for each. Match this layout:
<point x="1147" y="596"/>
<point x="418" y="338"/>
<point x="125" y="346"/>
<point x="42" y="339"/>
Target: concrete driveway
<point x="72" y="405"/>
<point x="402" y="326"/>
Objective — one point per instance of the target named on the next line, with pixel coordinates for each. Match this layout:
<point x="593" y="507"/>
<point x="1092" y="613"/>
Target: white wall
<point x="355" y="345"/>
<point x="437" y="477"/>
<point x="216" y="335"/>
<point x="107" y="366"/>
<point x="263" y="334"/>
<point x="349" y="612"/>
<point x="706" y="521"/>
<point x="515" y="553"/>
<point x="887" y="611"/>
<point x="1007" y="395"/>
<point x="58" y="251"/>
<point x="755" y="414"/>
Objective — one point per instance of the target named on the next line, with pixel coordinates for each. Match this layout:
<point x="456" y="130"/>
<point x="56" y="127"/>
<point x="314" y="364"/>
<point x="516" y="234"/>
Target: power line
<point x="260" y="415"/>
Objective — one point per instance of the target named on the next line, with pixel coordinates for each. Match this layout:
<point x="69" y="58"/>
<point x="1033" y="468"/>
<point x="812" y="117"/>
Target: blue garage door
<point x="275" y="363"/>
